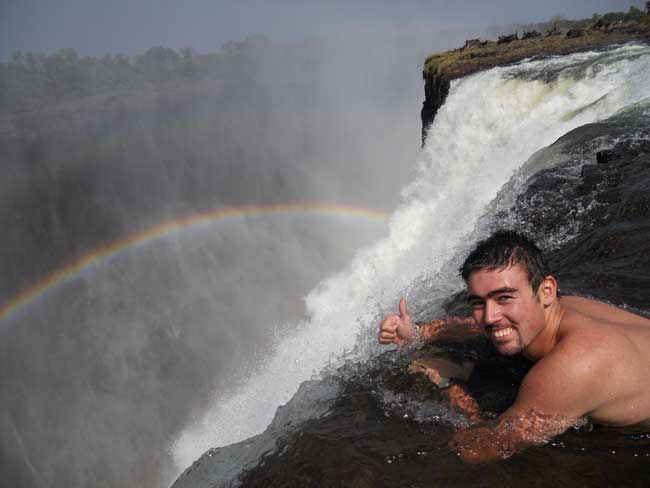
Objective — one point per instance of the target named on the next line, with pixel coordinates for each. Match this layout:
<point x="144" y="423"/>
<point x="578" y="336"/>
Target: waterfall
<point x="490" y="125"/>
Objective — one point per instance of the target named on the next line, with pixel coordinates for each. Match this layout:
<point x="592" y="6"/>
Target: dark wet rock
<point x="607" y="155"/>
<point x="598" y="209"/>
<point x="436" y="90"/>
<point x="612" y="259"/>
<point x="632" y="149"/>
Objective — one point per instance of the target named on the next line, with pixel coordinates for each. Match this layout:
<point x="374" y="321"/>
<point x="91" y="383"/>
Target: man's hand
<point x="397" y="329"/>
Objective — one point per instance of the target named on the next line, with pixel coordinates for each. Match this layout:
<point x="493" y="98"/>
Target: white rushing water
<point x="491" y="123"/>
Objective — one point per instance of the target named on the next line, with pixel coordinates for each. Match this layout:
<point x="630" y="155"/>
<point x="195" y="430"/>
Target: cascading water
<point x="491" y="123"/>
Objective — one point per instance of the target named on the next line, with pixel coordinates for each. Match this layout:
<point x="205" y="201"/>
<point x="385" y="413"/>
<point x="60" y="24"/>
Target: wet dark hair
<point x="505" y="248"/>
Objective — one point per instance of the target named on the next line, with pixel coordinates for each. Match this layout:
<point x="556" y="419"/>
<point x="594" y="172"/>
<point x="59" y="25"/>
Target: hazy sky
<point x="131" y="26"/>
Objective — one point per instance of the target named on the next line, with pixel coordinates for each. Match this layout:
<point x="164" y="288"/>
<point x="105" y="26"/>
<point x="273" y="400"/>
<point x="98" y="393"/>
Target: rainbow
<point x="165" y="229"/>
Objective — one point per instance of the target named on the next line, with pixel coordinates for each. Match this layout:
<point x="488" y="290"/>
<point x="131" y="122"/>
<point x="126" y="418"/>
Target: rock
<point x="507" y="39"/>
<point x="530" y="34"/>
<point x="600" y="25"/>
<point x="604" y="157"/>
<point x="633" y="148"/>
<point x="628" y="151"/>
<point x="436" y="89"/>
<point x="606" y="209"/>
<point x="553" y="32"/>
<point x="472" y="44"/>
<point x="573" y="33"/>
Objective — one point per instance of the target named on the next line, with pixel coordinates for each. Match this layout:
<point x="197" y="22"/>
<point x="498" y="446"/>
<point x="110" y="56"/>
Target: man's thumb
<point x="403" y="313"/>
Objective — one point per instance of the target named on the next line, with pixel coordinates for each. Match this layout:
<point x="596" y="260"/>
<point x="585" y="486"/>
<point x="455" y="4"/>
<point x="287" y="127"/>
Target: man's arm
<point x="503" y="437"/>
<point x="462" y="401"/>
<point x="450" y="328"/>
<point x="400" y="329"/>
<point x="555" y="394"/>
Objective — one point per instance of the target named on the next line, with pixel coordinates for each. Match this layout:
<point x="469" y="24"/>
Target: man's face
<point x="504" y="305"/>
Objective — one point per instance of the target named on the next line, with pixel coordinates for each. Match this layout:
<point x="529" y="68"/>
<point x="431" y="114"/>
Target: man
<point x="590" y="359"/>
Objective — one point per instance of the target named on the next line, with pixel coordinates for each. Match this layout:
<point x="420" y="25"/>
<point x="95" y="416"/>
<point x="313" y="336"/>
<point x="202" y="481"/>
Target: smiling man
<point x="591" y="359"/>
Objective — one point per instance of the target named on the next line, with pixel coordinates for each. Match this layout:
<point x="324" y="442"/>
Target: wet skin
<point x="591" y="360"/>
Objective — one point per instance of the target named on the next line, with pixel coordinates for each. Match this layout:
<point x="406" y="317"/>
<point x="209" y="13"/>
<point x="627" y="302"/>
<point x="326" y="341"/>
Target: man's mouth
<point x="501" y="333"/>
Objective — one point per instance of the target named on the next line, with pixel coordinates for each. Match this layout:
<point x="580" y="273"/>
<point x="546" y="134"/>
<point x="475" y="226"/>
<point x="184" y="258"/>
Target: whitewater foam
<point x="491" y="123"/>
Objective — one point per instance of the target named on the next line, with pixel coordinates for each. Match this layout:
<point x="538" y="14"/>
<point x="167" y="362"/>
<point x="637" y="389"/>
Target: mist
<point x="103" y="371"/>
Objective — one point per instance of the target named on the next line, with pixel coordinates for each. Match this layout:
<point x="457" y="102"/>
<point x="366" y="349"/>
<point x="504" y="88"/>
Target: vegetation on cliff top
<point x="563" y="36"/>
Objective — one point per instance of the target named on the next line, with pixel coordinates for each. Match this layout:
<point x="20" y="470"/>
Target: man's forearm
<point x="462" y="401"/>
<point x="507" y="435"/>
<point x="449" y="328"/>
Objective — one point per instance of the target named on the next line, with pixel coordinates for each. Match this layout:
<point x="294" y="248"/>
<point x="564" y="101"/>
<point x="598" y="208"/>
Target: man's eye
<point x="476" y="304"/>
<point x="504" y="298"/>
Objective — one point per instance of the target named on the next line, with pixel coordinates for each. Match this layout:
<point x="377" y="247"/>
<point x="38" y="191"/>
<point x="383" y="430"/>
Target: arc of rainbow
<point x="107" y="251"/>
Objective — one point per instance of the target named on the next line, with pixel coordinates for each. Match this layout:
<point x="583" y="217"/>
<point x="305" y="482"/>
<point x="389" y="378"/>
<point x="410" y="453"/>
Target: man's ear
<point x="547" y="291"/>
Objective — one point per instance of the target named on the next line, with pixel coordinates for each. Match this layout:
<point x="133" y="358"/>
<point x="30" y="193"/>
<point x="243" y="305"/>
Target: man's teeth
<point x="502" y="332"/>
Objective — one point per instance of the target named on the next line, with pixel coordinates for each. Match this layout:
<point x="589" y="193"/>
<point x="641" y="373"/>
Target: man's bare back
<point x="591" y="359"/>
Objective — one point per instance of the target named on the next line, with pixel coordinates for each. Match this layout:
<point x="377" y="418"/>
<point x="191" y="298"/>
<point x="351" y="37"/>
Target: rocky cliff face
<point x="436" y="89"/>
<point x="441" y="68"/>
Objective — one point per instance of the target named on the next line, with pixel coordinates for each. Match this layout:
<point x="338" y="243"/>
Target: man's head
<point x="506" y="248"/>
<point x="510" y="291"/>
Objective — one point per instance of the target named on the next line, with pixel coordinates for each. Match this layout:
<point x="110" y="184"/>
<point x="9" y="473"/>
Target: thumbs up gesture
<point x="397" y="329"/>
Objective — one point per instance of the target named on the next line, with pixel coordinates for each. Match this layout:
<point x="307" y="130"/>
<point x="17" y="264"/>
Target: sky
<point x="94" y="27"/>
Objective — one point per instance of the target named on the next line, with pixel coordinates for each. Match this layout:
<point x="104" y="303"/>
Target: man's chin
<point x="507" y="349"/>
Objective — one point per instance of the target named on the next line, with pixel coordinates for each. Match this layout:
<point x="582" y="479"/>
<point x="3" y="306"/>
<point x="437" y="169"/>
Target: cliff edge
<point x="476" y="55"/>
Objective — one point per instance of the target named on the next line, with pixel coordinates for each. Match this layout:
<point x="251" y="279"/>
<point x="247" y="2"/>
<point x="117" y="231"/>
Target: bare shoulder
<point x="601" y="311"/>
<point x="566" y="381"/>
<point x="604" y="332"/>
<point x="576" y="355"/>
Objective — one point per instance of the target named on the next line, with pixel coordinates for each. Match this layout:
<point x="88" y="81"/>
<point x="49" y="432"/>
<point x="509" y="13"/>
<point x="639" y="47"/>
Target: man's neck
<point x="544" y="343"/>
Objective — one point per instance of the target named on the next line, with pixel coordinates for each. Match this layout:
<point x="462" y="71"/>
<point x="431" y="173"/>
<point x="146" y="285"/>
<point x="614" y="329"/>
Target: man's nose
<point x="492" y="313"/>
